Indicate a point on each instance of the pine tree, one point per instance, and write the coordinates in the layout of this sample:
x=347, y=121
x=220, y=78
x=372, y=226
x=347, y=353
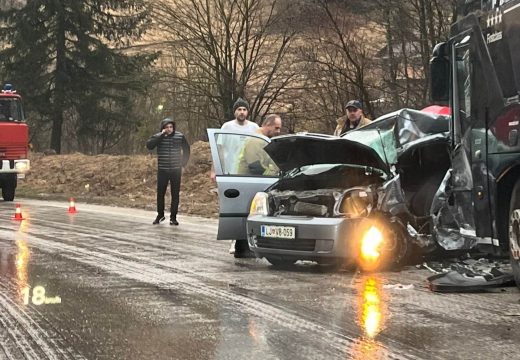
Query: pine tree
x=66, y=56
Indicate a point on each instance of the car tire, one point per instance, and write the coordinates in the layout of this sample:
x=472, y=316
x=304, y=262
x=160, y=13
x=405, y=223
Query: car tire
x=8, y=192
x=514, y=232
x=280, y=261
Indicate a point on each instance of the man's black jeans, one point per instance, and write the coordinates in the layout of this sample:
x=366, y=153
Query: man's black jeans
x=174, y=178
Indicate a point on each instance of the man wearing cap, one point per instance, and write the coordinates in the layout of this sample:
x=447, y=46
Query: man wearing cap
x=173, y=153
x=353, y=120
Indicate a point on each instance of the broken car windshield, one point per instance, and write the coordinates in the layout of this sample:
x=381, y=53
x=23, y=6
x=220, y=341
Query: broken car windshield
x=391, y=133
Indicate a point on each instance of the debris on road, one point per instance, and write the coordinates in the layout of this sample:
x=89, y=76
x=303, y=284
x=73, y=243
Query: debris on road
x=469, y=275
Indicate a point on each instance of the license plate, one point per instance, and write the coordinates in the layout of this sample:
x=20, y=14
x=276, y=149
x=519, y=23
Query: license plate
x=280, y=232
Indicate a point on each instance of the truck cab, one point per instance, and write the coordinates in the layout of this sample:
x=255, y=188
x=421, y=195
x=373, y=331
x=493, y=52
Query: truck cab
x=477, y=73
x=14, y=139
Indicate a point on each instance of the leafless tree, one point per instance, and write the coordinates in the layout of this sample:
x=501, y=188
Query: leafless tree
x=338, y=49
x=412, y=28
x=224, y=49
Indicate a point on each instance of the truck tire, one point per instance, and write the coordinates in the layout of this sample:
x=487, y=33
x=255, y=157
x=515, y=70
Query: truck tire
x=514, y=232
x=8, y=192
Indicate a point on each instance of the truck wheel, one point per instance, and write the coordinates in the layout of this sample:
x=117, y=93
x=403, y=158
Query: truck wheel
x=280, y=260
x=8, y=192
x=514, y=232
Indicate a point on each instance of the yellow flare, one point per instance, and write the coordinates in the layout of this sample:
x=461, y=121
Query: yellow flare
x=371, y=308
x=370, y=244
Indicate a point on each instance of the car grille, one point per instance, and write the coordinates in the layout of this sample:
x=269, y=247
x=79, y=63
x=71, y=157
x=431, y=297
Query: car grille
x=282, y=244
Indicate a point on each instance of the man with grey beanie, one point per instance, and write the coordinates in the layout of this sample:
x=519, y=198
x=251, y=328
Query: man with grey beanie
x=173, y=153
x=231, y=151
x=239, y=124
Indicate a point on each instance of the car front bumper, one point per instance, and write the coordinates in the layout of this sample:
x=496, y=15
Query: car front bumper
x=315, y=237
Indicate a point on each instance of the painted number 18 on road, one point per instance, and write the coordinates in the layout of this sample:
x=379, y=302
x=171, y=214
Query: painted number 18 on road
x=38, y=296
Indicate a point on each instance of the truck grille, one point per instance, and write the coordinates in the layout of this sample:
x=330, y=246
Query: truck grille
x=13, y=152
x=297, y=245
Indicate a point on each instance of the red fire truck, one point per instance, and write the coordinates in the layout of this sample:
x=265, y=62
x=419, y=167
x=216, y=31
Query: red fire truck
x=14, y=139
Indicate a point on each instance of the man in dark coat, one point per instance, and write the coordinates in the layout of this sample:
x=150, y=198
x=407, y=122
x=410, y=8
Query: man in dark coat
x=173, y=153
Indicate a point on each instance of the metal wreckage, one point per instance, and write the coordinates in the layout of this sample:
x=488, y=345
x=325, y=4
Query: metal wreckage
x=407, y=181
x=460, y=189
x=380, y=194
x=380, y=180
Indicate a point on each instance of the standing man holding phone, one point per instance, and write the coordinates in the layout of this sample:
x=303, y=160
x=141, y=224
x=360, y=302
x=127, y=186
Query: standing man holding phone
x=173, y=153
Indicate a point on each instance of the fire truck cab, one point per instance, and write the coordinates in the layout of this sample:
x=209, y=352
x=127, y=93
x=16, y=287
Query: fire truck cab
x=14, y=139
x=477, y=73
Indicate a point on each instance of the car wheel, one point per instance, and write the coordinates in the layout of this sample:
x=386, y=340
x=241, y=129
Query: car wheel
x=280, y=260
x=514, y=232
x=8, y=192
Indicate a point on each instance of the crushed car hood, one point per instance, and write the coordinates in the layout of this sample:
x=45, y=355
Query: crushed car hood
x=294, y=151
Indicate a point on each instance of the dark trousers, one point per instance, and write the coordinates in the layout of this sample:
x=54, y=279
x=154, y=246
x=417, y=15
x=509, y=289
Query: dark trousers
x=163, y=178
x=241, y=246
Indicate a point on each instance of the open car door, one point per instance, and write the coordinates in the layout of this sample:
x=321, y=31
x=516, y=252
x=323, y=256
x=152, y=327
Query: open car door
x=236, y=184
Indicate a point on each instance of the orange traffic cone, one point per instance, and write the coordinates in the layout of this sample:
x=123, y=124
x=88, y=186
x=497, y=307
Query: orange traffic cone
x=72, y=206
x=18, y=213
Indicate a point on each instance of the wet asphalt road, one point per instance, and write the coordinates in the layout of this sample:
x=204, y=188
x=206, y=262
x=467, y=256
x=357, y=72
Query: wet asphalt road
x=106, y=284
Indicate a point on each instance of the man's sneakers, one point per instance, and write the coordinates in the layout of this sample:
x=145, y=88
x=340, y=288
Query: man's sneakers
x=159, y=219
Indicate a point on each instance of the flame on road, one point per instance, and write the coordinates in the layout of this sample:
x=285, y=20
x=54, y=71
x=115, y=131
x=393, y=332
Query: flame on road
x=371, y=307
x=371, y=319
x=22, y=256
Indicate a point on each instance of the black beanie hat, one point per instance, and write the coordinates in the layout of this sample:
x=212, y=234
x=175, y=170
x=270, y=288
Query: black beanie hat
x=240, y=103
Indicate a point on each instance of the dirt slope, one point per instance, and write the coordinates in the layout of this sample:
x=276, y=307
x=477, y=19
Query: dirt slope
x=128, y=181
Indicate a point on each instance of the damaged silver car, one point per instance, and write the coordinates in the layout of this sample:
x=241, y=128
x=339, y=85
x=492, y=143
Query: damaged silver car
x=362, y=199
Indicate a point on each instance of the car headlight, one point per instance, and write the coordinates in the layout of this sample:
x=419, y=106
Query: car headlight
x=259, y=204
x=21, y=165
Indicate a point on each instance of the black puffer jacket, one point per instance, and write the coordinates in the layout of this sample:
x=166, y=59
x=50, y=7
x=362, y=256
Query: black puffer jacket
x=173, y=151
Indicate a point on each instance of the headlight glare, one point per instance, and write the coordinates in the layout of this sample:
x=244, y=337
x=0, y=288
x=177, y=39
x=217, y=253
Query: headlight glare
x=370, y=252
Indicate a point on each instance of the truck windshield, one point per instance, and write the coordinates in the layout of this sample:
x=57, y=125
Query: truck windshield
x=11, y=109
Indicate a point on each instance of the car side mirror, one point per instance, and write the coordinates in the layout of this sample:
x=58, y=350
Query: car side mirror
x=440, y=74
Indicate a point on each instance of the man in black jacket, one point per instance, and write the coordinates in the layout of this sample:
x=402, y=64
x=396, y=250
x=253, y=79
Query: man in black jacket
x=173, y=153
